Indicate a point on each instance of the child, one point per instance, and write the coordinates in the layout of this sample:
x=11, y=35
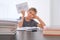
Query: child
x=28, y=20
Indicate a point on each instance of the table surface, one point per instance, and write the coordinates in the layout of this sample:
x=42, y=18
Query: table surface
x=24, y=35
x=27, y=35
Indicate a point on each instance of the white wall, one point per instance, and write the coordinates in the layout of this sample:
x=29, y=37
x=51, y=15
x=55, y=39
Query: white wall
x=55, y=12
x=8, y=9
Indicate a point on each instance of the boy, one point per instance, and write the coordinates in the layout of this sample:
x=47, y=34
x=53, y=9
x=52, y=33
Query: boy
x=28, y=20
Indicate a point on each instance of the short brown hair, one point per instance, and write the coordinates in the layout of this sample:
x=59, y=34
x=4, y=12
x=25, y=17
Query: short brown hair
x=34, y=9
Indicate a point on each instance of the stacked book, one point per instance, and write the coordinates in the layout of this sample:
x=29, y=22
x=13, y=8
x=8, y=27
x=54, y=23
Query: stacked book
x=8, y=26
x=52, y=31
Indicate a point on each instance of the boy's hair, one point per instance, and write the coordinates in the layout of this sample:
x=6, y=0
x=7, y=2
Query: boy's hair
x=34, y=9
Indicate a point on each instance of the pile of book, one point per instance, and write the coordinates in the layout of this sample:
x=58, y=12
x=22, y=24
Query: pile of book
x=8, y=26
x=52, y=31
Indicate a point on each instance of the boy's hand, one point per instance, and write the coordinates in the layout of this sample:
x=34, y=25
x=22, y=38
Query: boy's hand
x=36, y=17
x=23, y=12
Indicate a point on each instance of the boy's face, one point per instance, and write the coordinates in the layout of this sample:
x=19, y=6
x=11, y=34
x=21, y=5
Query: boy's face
x=31, y=14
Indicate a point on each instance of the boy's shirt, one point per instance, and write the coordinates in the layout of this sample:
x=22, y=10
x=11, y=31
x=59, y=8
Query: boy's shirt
x=31, y=23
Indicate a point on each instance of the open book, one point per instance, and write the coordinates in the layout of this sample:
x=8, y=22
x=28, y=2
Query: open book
x=28, y=28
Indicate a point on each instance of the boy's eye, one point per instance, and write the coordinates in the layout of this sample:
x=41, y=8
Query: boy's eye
x=30, y=12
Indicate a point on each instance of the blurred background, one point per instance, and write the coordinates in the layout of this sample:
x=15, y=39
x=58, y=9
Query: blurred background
x=48, y=10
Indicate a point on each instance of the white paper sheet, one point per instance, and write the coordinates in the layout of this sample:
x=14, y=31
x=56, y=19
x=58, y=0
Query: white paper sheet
x=22, y=6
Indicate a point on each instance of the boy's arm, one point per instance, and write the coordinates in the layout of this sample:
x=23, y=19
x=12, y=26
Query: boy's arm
x=41, y=24
x=20, y=24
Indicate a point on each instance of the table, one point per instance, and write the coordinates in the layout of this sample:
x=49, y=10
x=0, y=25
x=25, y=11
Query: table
x=24, y=35
x=7, y=33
